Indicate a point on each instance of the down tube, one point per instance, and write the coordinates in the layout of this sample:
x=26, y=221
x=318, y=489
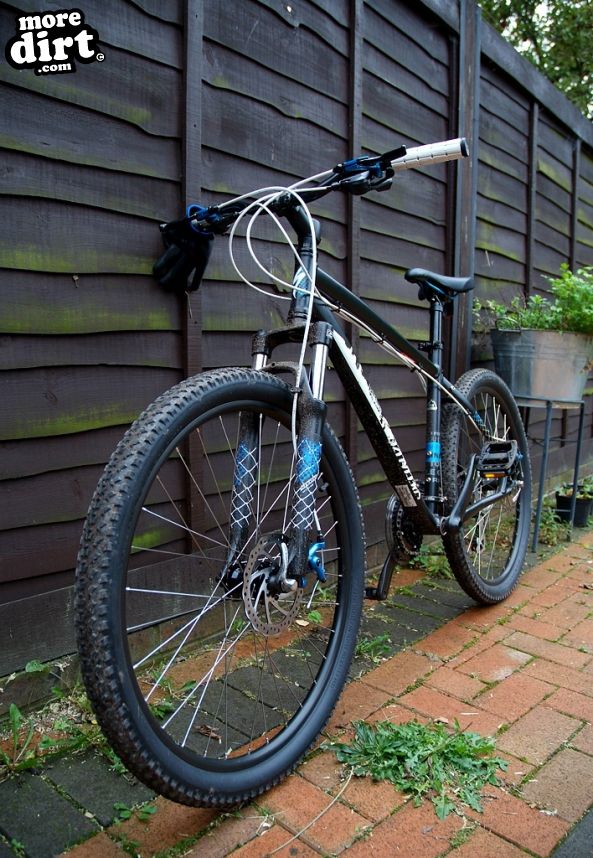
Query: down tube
x=380, y=435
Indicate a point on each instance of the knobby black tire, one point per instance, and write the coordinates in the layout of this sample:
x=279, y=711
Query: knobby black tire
x=136, y=730
x=488, y=553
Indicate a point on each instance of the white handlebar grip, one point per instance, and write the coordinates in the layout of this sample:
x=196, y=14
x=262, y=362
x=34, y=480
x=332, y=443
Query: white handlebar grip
x=433, y=153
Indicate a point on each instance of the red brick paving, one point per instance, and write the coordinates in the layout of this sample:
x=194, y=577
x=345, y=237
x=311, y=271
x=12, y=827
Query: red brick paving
x=401, y=671
x=564, y=655
x=296, y=802
x=581, y=635
x=515, y=696
x=520, y=664
x=565, y=677
x=447, y=641
x=538, y=734
x=583, y=741
x=514, y=820
x=358, y=701
x=572, y=703
x=536, y=627
x=436, y=705
x=373, y=800
x=495, y=663
x=487, y=845
x=272, y=840
x=412, y=831
x=456, y=683
x=564, y=785
x=101, y=846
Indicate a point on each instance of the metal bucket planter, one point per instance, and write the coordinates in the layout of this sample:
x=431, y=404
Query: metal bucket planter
x=543, y=364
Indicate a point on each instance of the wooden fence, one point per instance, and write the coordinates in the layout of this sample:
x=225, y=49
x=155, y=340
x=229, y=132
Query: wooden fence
x=200, y=100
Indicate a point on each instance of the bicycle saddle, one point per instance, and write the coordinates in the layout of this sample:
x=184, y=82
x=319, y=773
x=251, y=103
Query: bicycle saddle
x=438, y=284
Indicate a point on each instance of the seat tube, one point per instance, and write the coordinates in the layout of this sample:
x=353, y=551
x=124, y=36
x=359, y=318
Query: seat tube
x=432, y=471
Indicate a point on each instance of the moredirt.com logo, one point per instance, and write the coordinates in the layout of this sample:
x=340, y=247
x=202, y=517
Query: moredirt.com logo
x=52, y=42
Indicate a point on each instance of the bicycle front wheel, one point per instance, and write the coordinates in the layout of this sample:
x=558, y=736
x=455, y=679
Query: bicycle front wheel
x=487, y=554
x=209, y=682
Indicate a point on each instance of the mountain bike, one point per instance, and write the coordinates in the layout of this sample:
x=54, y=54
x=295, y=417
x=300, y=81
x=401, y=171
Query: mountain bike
x=221, y=573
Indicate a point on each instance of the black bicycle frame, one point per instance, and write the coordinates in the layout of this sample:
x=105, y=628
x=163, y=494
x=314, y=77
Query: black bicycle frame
x=420, y=506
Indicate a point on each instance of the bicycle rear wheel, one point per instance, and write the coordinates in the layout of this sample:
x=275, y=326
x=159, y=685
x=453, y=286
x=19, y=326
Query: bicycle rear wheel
x=487, y=554
x=208, y=683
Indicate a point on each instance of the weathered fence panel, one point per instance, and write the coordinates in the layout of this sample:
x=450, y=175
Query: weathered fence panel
x=206, y=99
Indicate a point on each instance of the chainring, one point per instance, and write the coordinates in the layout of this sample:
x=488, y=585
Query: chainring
x=403, y=538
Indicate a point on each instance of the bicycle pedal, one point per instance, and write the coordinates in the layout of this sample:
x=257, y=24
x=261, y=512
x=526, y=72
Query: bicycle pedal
x=497, y=458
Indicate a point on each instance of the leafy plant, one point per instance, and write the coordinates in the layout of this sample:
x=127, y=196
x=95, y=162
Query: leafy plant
x=573, y=293
x=123, y=811
x=425, y=761
x=21, y=735
x=552, y=531
x=570, y=310
x=36, y=666
x=374, y=648
x=144, y=813
x=432, y=560
x=584, y=489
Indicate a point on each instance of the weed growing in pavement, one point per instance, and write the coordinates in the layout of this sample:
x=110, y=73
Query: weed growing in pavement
x=462, y=836
x=425, y=761
x=431, y=559
x=21, y=735
x=552, y=531
x=144, y=812
x=375, y=649
x=66, y=724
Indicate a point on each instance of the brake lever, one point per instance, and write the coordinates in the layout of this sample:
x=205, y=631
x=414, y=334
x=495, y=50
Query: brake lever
x=362, y=183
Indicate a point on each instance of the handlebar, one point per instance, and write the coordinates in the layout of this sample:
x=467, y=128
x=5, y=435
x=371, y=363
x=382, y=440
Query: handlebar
x=188, y=240
x=356, y=176
x=433, y=153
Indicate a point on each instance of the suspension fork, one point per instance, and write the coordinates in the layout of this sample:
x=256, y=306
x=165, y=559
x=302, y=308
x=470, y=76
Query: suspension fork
x=311, y=411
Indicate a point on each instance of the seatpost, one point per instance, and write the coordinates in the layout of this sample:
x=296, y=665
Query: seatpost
x=432, y=472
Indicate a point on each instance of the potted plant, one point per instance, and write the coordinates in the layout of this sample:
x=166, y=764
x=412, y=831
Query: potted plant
x=583, y=504
x=543, y=348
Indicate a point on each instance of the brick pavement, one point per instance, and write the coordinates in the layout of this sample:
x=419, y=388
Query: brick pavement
x=522, y=671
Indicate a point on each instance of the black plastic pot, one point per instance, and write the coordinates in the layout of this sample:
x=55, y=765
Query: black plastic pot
x=582, y=509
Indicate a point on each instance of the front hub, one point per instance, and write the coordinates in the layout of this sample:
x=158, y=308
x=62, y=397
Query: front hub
x=271, y=600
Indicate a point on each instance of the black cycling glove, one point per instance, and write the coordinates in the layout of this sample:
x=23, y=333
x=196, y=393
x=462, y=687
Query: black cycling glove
x=181, y=267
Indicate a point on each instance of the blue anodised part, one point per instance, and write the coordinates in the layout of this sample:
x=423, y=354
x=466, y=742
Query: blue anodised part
x=309, y=454
x=354, y=166
x=477, y=419
x=433, y=451
x=243, y=453
x=198, y=212
x=315, y=562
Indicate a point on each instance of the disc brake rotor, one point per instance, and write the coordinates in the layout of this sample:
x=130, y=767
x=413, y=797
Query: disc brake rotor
x=269, y=612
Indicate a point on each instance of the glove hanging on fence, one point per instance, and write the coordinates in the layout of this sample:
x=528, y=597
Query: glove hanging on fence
x=181, y=267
